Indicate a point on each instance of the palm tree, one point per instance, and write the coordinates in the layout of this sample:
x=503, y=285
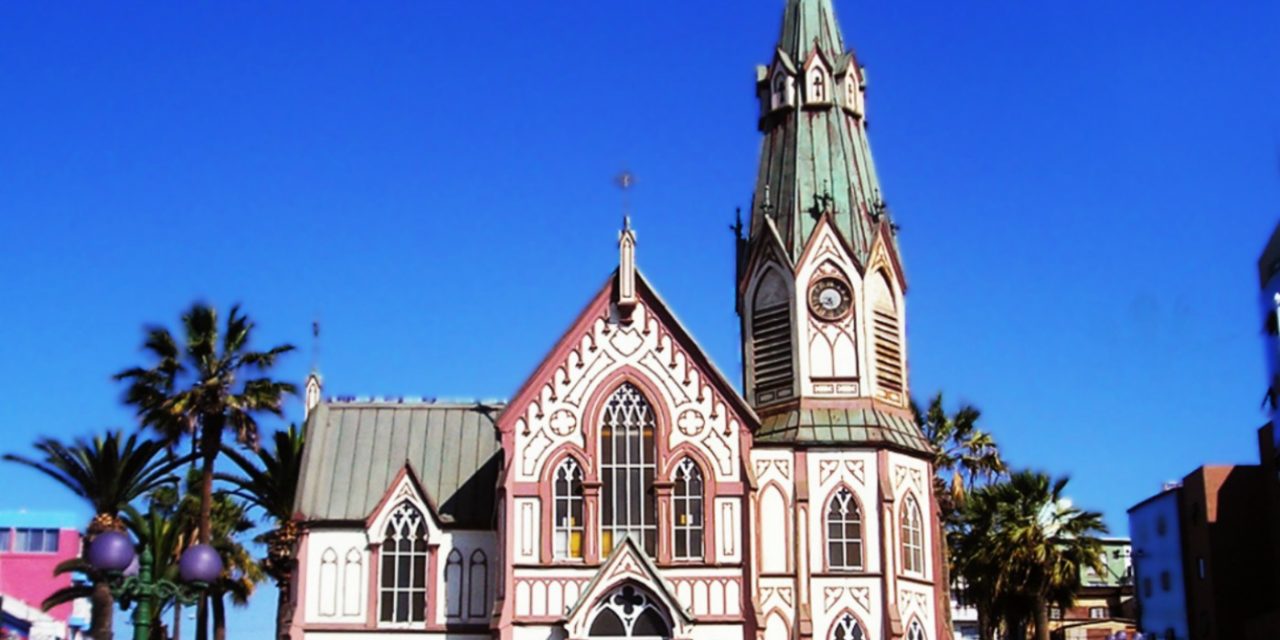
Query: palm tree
x=203, y=389
x=963, y=456
x=1023, y=546
x=108, y=472
x=271, y=484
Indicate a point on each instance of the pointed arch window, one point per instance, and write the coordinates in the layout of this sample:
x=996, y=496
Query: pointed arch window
x=567, y=495
x=627, y=468
x=912, y=536
x=778, y=99
x=844, y=532
x=403, y=586
x=687, y=501
x=847, y=628
x=817, y=85
x=915, y=631
x=631, y=613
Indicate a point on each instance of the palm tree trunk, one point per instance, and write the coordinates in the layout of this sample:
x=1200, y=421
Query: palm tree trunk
x=284, y=605
x=101, y=615
x=1042, y=618
x=177, y=620
x=210, y=438
x=219, y=616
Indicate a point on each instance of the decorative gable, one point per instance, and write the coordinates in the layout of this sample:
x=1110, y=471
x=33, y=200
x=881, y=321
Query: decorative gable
x=556, y=409
x=628, y=576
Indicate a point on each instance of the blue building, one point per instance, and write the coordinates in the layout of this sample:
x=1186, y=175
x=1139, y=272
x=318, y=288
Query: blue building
x=1160, y=584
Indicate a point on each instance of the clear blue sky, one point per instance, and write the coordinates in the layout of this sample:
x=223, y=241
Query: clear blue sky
x=1083, y=189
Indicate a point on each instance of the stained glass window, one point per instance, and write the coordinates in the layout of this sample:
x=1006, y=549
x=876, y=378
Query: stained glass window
x=627, y=470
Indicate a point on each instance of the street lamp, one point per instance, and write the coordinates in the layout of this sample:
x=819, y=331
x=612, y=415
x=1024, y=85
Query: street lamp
x=113, y=553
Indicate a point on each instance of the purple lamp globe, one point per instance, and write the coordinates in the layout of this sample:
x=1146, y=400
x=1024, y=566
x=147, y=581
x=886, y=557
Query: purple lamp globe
x=200, y=563
x=111, y=551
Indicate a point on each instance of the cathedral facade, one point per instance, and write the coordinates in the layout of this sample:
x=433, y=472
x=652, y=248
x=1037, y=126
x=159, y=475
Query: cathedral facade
x=628, y=489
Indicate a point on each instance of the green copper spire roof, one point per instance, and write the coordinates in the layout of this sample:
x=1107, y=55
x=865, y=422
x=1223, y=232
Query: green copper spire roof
x=806, y=23
x=815, y=158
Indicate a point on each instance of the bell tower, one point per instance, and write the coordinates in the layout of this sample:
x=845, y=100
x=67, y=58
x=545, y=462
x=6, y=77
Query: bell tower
x=820, y=283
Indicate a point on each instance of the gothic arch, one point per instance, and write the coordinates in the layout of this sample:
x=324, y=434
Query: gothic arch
x=915, y=630
x=637, y=393
x=478, y=580
x=776, y=625
x=328, y=582
x=765, y=549
x=910, y=505
x=842, y=618
x=863, y=526
x=630, y=610
x=455, y=587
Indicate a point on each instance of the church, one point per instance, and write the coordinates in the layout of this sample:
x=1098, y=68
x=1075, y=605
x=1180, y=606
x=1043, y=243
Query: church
x=628, y=489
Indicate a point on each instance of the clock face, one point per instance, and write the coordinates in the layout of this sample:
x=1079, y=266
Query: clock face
x=829, y=298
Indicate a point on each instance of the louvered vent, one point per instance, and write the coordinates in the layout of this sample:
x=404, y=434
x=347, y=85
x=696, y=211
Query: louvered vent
x=888, y=350
x=771, y=349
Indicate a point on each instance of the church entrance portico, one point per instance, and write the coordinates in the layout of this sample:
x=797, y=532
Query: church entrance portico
x=629, y=611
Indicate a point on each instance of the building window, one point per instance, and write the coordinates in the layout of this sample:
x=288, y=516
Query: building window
x=847, y=628
x=1055, y=613
x=1161, y=527
x=687, y=499
x=844, y=532
x=567, y=494
x=912, y=536
x=1146, y=587
x=1098, y=613
x=915, y=631
x=627, y=456
x=404, y=566
x=1200, y=567
x=36, y=541
x=6, y=539
x=1165, y=581
x=817, y=85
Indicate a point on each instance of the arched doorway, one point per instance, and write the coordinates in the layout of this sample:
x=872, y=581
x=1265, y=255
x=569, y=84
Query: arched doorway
x=629, y=611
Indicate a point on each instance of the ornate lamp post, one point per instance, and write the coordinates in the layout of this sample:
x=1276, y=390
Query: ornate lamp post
x=113, y=553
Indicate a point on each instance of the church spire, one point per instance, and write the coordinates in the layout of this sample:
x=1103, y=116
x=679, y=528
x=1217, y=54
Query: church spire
x=815, y=159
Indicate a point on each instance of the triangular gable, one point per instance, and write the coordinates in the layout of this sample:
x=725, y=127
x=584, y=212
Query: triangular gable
x=885, y=250
x=405, y=487
x=626, y=564
x=579, y=338
x=826, y=231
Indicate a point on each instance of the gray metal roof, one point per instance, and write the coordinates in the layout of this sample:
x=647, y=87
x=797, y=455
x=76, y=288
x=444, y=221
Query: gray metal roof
x=355, y=450
x=843, y=427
